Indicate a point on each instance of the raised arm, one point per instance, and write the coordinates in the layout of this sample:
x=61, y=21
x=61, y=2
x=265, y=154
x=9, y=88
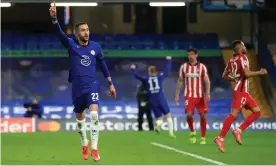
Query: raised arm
x=168, y=66
x=135, y=74
x=62, y=36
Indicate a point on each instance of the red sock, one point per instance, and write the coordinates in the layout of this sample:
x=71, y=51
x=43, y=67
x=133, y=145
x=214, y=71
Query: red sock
x=190, y=121
x=226, y=125
x=249, y=120
x=203, y=125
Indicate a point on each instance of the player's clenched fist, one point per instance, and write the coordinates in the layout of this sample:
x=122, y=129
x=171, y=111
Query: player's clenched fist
x=133, y=66
x=53, y=11
x=263, y=71
x=208, y=98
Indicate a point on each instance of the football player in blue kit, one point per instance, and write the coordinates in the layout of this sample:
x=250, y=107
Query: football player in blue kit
x=83, y=55
x=158, y=102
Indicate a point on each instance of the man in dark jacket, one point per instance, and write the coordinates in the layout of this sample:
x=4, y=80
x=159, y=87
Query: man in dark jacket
x=144, y=107
x=33, y=109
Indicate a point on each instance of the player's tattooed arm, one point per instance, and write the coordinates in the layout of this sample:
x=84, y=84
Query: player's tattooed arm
x=179, y=85
x=208, y=87
x=178, y=89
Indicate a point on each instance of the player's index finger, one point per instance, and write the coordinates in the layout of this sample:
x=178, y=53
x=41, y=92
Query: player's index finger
x=54, y=3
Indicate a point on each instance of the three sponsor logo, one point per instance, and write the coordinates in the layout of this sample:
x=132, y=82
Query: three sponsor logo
x=26, y=125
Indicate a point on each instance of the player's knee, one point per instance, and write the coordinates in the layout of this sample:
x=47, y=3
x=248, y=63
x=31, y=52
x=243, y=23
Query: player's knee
x=160, y=118
x=80, y=116
x=168, y=115
x=235, y=112
x=80, y=124
x=93, y=107
x=189, y=114
x=202, y=116
x=94, y=115
x=256, y=109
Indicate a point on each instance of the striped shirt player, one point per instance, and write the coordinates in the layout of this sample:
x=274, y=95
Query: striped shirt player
x=193, y=74
x=193, y=77
x=241, y=96
x=237, y=70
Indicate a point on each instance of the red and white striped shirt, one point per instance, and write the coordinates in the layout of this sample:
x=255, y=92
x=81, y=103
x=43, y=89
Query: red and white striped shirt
x=235, y=66
x=193, y=76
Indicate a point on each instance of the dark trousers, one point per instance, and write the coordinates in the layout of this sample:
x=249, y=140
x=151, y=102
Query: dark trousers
x=144, y=110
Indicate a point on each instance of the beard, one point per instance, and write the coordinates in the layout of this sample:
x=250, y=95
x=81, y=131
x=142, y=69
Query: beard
x=82, y=38
x=191, y=60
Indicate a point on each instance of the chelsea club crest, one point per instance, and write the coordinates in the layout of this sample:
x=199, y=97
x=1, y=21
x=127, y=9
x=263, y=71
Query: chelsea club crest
x=85, y=61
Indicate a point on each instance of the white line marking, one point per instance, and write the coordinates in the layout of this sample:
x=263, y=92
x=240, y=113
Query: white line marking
x=188, y=154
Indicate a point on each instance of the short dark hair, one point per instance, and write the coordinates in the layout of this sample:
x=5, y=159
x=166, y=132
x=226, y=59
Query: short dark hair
x=235, y=43
x=192, y=50
x=79, y=24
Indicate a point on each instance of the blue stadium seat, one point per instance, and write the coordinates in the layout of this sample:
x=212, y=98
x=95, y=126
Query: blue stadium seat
x=111, y=41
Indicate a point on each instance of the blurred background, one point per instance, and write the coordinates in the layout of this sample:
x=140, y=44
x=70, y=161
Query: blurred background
x=35, y=64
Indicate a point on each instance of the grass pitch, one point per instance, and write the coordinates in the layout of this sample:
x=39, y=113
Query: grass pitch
x=135, y=148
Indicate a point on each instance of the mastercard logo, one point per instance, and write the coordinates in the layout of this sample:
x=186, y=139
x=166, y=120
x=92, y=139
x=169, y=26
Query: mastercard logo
x=48, y=126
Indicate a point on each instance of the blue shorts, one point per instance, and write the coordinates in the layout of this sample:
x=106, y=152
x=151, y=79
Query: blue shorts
x=85, y=100
x=160, y=109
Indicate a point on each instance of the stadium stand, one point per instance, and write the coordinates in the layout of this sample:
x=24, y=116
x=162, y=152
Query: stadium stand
x=125, y=42
x=46, y=78
x=53, y=84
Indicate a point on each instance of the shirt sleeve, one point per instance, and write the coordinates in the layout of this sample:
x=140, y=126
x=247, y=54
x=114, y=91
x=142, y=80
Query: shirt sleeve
x=100, y=54
x=65, y=40
x=244, y=62
x=103, y=66
x=168, y=68
x=137, y=76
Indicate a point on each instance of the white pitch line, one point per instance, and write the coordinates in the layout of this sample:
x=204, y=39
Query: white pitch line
x=187, y=153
